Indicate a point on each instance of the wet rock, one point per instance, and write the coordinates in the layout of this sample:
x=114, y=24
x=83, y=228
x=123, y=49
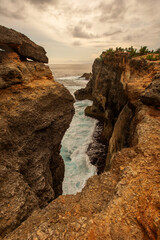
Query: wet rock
x=87, y=76
x=97, y=149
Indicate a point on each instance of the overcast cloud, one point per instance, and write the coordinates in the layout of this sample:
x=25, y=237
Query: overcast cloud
x=77, y=31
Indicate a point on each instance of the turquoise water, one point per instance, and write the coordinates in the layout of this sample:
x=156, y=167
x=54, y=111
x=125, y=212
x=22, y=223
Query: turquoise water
x=75, y=142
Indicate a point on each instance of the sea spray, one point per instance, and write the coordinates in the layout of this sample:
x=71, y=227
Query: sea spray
x=76, y=141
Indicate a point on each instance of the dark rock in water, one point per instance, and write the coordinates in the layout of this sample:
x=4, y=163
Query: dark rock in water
x=97, y=150
x=87, y=76
x=84, y=93
x=22, y=45
x=151, y=95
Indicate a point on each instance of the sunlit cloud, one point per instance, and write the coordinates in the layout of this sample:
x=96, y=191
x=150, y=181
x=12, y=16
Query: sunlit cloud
x=75, y=30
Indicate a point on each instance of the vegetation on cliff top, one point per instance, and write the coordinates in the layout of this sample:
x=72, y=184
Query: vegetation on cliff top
x=133, y=52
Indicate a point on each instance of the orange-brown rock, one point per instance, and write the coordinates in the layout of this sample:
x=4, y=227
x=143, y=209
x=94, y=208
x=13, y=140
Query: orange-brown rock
x=123, y=202
x=35, y=112
x=22, y=45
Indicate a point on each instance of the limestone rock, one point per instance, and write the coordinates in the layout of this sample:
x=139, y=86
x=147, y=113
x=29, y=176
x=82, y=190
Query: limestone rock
x=84, y=93
x=22, y=45
x=87, y=76
x=35, y=112
x=151, y=95
x=122, y=203
x=33, y=121
x=14, y=71
x=120, y=135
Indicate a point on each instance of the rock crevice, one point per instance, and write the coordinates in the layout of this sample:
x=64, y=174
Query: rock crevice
x=121, y=203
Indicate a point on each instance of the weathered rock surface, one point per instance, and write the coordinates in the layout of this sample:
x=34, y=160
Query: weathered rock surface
x=124, y=202
x=87, y=76
x=35, y=112
x=22, y=45
x=151, y=96
x=84, y=93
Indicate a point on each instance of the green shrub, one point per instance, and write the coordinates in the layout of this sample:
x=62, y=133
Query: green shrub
x=119, y=49
x=143, y=50
x=158, y=50
x=151, y=57
x=133, y=52
x=110, y=51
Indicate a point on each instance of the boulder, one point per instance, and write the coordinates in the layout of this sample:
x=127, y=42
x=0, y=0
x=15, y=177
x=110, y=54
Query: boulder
x=22, y=45
x=151, y=95
x=87, y=76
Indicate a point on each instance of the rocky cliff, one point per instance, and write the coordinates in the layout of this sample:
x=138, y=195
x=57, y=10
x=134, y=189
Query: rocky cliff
x=124, y=201
x=35, y=112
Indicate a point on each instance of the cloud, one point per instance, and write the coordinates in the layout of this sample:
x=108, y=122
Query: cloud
x=79, y=33
x=40, y=3
x=107, y=34
x=76, y=43
x=18, y=14
x=112, y=11
x=91, y=25
x=86, y=24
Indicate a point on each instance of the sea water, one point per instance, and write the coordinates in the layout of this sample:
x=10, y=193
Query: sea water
x=76, y=140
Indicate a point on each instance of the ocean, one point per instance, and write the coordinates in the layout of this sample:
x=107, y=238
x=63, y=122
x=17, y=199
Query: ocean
x=66, y=70
x=79, y=135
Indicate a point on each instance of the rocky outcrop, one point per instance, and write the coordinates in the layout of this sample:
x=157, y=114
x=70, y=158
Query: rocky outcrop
x=35, y=112
x=151, y=95
x=117, y=83
x=21, y=44
x=123, y=202
x=84, y=93
x=86, y=76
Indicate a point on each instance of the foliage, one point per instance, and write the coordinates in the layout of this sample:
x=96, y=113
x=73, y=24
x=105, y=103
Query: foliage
x=158, y=50
x=143, y=50
x=110, y=51
x=152, y=57
x=133, y=52
x=119, y=49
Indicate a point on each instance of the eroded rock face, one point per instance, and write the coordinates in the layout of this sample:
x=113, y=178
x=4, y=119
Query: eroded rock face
x=35, y=112
x=151, y=96
x=22, y=45
x=122, y=203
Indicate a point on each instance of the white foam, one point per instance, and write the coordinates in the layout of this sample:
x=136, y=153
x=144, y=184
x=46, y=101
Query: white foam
x=75, y=142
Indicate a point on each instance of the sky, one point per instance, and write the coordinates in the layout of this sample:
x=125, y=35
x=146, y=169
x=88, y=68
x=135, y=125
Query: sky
x=77, y=31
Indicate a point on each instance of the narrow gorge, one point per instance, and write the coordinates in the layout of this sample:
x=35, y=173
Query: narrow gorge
x=123, y=202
